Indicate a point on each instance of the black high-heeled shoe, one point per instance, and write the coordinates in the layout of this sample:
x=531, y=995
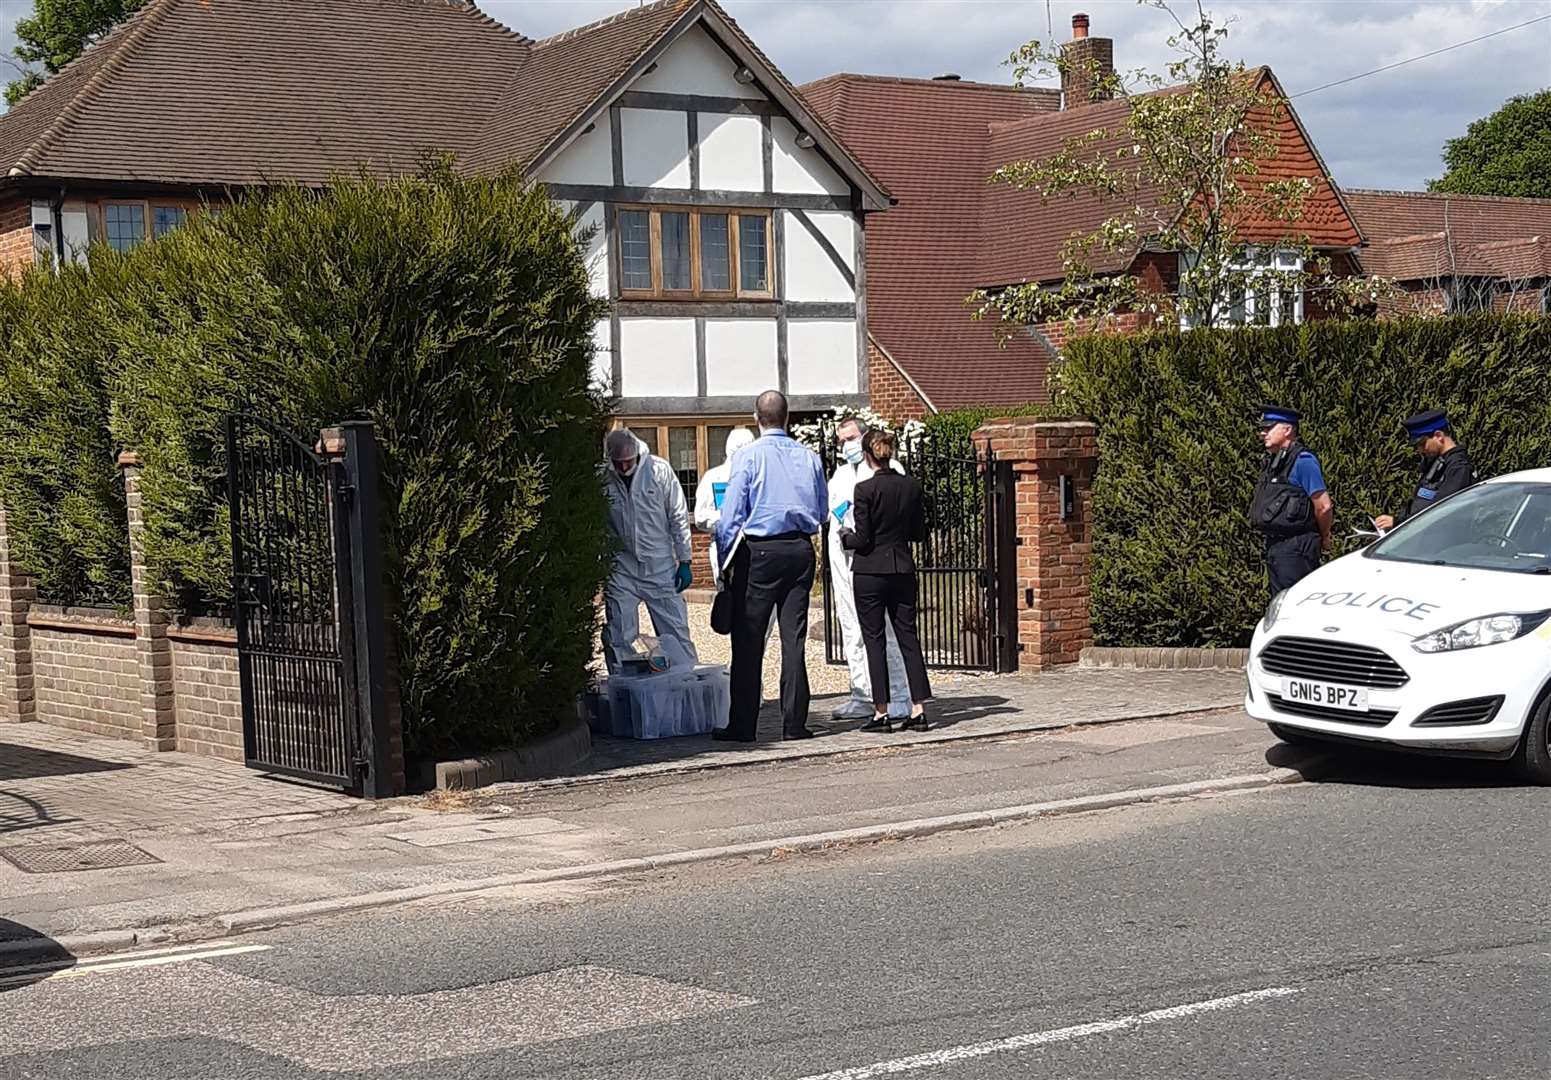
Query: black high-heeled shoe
x=878, y=723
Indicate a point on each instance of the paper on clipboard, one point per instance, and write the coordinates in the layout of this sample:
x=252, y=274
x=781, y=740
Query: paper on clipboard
x=719, y=569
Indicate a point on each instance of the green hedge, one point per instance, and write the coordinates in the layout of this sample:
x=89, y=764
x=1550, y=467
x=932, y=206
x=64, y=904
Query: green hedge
x=1175, y=561
x=955, y=427
x=455, y=314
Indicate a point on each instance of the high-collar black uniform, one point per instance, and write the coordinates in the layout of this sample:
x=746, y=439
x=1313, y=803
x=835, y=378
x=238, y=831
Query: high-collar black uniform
x=1447, y=474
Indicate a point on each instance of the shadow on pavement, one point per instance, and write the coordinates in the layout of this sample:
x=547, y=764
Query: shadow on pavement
x=19, y=762
x=19, y=812
x=1342, y=763
x=36, y=956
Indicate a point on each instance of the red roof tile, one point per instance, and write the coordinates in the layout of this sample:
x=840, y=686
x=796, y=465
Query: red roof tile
x=1491, y=236
x=926, y=141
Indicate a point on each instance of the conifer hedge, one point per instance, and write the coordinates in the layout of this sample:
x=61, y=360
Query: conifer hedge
x=452, y=312
x=1175, y=561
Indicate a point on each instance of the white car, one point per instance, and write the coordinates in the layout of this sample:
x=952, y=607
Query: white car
x=1436, y=638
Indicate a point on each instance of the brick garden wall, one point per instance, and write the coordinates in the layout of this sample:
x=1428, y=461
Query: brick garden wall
x=207, y=697
x=86, y=674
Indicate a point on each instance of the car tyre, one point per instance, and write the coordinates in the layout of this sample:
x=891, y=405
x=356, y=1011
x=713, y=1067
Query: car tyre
x=1292, y=736
x=1532, y=760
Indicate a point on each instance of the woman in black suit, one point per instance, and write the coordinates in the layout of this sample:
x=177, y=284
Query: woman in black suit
x=889, y=517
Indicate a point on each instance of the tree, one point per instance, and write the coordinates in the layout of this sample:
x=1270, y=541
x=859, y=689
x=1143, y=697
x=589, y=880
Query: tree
x=1507, y=153
x=1184, y=169
x=57, y=32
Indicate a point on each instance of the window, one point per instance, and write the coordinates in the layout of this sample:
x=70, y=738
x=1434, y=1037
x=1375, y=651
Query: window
x=667, y=253
x=125, y=224
x=684, y=456
x=166, y=218
x=1263, y=297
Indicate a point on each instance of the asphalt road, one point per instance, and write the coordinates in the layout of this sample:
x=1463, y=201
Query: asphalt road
x=1389, y=921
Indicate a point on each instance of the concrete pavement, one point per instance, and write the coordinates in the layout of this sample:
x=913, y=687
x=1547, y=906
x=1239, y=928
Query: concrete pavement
x=205, y=877
x=1380, y=923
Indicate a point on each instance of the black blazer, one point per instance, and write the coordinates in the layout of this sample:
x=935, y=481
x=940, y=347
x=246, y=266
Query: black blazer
x=888, y=517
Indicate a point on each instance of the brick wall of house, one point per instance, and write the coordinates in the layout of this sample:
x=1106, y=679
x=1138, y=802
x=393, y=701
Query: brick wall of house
x=207, y=692
x=86, y=672
x=891, y=393
x=16, y=253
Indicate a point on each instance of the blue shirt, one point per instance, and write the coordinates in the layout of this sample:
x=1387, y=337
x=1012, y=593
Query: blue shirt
x=777, y=486
x=1307, y=475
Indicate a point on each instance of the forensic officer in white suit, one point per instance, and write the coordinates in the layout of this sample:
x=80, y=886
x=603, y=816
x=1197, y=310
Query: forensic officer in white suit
x=707, y=502
x=852, y=470
x=649, y=518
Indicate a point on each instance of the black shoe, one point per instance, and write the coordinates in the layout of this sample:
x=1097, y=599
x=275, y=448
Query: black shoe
x=726, y=735
x=800, y=733
x=916, y=723
x=878, y=723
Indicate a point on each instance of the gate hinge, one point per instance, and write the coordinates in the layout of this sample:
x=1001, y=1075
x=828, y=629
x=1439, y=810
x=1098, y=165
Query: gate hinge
x=345, y=493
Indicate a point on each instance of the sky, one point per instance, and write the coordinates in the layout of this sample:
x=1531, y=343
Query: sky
x=1384, y=131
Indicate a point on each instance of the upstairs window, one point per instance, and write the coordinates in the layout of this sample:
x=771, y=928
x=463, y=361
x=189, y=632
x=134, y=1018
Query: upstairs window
x=124, y=224
x=166, y=218
x=667, y=253
x=1262, y=296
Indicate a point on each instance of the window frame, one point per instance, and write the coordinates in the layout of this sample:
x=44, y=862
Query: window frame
x=145, y=220
x=696, y=290
x=1271, y=261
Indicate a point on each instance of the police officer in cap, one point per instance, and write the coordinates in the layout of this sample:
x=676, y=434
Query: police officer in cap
x=1446, y=468
x=1291, y=506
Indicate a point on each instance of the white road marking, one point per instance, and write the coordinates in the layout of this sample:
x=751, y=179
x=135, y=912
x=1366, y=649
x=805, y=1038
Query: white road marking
x=175, y=954
x=1044, y=1038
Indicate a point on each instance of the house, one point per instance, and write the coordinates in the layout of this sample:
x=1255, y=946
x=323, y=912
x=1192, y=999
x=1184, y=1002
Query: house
x=726, y=219
x=1457, y=253
x=935, y=142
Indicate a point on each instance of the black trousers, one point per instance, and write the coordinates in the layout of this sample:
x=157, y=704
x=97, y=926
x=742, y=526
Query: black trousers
x=770, y=575
x=894, y=596
x=1290, y=559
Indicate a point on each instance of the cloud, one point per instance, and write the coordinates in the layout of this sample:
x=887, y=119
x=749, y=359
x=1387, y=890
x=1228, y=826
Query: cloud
x=1383, y=131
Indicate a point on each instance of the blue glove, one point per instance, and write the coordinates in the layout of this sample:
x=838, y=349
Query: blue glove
x=682, y=577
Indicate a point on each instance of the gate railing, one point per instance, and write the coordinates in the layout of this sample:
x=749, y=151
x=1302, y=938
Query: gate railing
x=308, y=604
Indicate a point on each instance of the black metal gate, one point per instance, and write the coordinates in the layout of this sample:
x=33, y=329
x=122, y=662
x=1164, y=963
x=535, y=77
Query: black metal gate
x=293, y=606
x=966, y=610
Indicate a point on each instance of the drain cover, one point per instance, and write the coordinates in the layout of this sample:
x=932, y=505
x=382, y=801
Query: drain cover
x=93, y=855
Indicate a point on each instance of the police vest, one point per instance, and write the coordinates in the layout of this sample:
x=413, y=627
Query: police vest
x=1280, y=507
x=1445, y=475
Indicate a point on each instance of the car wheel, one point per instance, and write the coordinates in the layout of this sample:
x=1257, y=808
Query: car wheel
x=1292, y=736
x=1532, y=760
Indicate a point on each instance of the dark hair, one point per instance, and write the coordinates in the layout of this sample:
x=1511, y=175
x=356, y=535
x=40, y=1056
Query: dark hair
x=880, y=444
x=771, y=410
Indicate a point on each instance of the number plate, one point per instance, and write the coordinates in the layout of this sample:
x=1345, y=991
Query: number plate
x=1325, y=695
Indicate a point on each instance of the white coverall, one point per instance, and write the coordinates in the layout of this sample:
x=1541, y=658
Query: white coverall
x=649, y=517
x=707, y=513
x=842, y=489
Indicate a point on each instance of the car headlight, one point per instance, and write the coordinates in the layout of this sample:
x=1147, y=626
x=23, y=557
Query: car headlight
x=1273, y=609
x=1473, y=633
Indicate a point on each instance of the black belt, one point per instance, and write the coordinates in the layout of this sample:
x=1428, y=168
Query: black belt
x=777, y=536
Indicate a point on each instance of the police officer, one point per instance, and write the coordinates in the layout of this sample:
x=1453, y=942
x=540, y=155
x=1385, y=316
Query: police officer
x=1446, y=468
x=1291, y=506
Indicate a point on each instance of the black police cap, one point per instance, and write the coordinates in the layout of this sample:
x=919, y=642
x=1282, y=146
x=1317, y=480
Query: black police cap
x=1423, y=424
x=1278, y=414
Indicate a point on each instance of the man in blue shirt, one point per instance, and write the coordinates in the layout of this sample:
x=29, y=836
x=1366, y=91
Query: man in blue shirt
x=775, y=502
x=1291, y=506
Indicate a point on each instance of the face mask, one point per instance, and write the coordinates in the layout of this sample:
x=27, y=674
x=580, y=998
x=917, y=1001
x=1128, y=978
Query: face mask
x=852, y=449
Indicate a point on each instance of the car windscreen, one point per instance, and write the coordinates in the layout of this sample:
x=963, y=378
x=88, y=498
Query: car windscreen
x=1503, y=526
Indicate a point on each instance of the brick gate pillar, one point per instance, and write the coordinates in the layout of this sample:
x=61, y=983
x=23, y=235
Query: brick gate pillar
x=17, y=595
x=153, y=650
x=1053, y=464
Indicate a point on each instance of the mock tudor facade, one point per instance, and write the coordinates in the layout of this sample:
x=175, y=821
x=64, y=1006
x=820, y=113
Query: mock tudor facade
x=725, y=222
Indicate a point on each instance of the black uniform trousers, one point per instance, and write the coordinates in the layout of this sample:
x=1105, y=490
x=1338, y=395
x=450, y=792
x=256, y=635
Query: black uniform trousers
x=1290, y=559
x=893, y=596
x=770, y=575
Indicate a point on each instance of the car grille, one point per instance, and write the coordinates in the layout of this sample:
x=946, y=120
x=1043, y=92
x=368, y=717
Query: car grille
x=1371, y=718
x=1333, y=661
x=1478, y=710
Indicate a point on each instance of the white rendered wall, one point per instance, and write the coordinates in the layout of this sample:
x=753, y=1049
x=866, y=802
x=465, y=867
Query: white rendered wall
x=801, y=171
x=657, y=358
x=732, y=155
x=695, y=65
x=655, y=144
x=811, y=275
x=740, y=356
x=588, y=160
x=602, y=358
x=821, y=356
x=597, y=250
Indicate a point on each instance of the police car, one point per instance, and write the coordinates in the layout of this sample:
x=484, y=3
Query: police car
x=1436, y=638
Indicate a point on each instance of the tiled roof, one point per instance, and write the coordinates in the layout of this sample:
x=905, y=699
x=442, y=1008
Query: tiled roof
x=188, y=91
x=926, y=141
x=1414, y=235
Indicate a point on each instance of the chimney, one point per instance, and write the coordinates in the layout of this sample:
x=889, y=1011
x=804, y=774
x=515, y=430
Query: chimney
x=1084, y=56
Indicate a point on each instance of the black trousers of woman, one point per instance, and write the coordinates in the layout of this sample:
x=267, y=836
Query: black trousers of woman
x=892, y=596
